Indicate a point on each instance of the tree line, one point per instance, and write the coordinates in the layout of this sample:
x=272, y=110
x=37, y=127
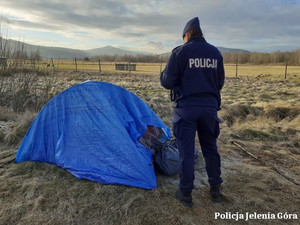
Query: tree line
x=255, y=58
x=130, y=58
x=259, y=58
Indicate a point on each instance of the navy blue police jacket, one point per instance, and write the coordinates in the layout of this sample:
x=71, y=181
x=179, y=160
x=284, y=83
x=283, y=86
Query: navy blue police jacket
x=195, y=72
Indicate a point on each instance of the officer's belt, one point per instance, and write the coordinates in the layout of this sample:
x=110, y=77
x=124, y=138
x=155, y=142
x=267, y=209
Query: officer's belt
x=180, y=102
x=202, y=95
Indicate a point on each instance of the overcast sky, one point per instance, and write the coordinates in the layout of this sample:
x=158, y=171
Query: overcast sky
x=154, y=26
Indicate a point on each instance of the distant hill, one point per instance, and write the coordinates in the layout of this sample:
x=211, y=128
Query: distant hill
x=222, y=49
x=49, y=52
x=109, y=50
x=68, y=53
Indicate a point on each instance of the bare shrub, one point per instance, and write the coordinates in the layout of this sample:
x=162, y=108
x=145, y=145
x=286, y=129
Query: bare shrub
x=5, y=73
x=2, y=135
x=20, y=128
x=42, y=72
x=18, y=98
x=23, y=92
x=6, y=114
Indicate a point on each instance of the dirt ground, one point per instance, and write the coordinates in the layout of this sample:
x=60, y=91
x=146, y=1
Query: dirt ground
x=259, y=145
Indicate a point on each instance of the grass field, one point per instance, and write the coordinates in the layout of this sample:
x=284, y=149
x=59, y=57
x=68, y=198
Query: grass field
x=259, y=146
x=70, y=65
x=268, y=72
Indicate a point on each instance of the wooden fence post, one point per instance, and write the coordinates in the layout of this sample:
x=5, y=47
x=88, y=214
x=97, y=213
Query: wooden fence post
x=236, y=68
x=75, y=64
x=286, y=65
x=99, y=66
x=129, y=66
x=52, y=64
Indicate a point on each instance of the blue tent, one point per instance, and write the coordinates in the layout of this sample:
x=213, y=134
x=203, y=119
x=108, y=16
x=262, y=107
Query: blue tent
x=92, y=131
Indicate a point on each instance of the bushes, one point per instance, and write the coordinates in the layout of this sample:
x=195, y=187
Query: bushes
x=20, y=128
x=7, y=114
x=23, y=92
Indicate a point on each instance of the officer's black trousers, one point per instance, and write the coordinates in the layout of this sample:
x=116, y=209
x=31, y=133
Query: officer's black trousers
x=186, y=121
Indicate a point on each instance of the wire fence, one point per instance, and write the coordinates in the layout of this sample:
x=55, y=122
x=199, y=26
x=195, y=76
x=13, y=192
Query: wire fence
x=278, y=72
x=97, y=66
x=269, y=72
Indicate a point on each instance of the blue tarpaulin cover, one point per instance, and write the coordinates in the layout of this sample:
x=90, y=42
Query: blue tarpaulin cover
x=92, y=131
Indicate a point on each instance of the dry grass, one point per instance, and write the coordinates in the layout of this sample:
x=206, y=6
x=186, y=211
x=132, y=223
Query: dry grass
x=18, y=130
x=7, y=114
x=261, y=115
x=264, y=72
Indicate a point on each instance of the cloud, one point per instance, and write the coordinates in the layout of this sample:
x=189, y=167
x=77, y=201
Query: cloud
x=231, y=23
x=4, y=20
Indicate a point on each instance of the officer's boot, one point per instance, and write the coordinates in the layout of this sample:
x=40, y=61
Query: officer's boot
x=215, y=193
x=185, y=198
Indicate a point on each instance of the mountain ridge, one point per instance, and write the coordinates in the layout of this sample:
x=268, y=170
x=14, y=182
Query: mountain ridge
x=69, y=53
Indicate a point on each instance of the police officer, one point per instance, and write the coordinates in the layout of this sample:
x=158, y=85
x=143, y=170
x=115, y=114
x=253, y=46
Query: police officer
x=195, y=75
